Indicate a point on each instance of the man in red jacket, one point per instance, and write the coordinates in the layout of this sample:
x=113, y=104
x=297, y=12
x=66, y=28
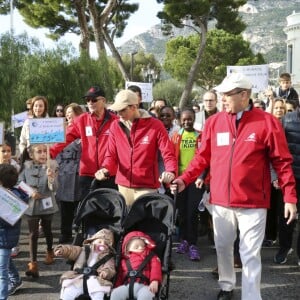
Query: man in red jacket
x=133, y=147
x=93, y=128
x=238, y=145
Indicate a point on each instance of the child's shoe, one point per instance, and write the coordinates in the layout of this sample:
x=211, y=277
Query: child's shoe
x=183, y=247
x=32, y=269
x=14, y=286
x=49, y=259
x=194, y=253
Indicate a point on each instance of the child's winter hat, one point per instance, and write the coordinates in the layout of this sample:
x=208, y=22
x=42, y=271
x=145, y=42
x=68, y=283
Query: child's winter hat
x=104, y=234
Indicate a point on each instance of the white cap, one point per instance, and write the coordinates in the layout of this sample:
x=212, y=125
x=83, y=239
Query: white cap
x=234, y=81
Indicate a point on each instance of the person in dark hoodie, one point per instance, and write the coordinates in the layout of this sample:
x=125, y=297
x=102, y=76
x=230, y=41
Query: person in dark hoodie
x=285, y=89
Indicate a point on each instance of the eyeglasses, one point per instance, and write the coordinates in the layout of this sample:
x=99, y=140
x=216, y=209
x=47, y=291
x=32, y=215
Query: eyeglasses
x=59, y=110
x=232, y=94
x=93, y=100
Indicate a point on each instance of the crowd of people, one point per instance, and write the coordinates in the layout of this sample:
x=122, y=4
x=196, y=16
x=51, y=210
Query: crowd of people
x=239, y=153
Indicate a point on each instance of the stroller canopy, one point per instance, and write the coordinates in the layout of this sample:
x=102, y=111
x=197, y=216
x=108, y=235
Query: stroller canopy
x=102, y=208
x=151, y=206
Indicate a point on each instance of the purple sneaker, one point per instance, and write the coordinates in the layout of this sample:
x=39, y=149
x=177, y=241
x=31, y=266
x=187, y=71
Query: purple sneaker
x=183, y=247
x=194, y=253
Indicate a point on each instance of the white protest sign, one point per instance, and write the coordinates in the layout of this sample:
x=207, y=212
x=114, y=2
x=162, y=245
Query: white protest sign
x=46, y=130
x=146, y=88
x=19, y=119
x=257, y=74
x=11, y=207
x=1, y=133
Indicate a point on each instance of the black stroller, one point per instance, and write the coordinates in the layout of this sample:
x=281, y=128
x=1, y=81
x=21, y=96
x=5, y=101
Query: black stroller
x=153, y=214
x=101, y=208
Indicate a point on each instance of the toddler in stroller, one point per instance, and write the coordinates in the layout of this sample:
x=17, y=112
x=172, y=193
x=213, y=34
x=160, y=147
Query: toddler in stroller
x=93, y=270
x=153, y=215
x=140, y=272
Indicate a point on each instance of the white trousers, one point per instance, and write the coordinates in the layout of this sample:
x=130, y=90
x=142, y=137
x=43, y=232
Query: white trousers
x=251, y=223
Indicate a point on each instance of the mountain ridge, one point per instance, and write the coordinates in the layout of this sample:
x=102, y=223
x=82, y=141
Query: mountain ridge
x=265, y=20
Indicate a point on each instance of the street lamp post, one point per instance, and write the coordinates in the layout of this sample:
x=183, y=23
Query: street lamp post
x=132, y=54
x=150, y=75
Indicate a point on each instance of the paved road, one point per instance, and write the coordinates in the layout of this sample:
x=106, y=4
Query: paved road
x=190, y=280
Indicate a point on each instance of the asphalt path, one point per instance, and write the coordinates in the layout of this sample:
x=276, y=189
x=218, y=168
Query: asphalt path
x=189, y=280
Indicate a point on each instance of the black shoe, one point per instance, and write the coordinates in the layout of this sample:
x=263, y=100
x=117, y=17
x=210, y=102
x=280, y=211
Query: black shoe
x=282, y=255
x=65, y=239
x=225, y=295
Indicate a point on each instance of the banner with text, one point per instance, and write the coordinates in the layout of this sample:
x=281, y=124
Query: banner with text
x=145, y=87
x=46, y=130
x=257, y=74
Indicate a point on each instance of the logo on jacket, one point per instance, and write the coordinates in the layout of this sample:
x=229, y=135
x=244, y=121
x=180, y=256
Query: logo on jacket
x=145, y=140
x=106, y=132
x=251, y=138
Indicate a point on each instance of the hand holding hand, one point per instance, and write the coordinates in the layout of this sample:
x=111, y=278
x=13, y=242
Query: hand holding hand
x=166, y=177
x=177, y=186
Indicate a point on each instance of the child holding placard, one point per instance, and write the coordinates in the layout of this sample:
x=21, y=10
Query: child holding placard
x=10, y=280
x=39, y=174
x=6, y=158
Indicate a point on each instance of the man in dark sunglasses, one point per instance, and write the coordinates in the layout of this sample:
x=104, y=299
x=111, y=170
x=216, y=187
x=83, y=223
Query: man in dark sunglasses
x=93, y=128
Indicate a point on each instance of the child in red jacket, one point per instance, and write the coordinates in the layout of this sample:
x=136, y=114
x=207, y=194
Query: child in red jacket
x=137, y=249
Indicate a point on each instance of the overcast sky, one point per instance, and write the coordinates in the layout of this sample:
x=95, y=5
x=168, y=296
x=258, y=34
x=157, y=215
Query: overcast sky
x=139, y=22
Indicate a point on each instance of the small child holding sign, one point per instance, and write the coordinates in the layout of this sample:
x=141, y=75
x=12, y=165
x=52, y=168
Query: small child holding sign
x=10, y=280
x=41, y=182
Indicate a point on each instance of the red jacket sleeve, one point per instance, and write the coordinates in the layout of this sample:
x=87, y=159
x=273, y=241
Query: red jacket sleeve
x=155, y=269
x=71, y=135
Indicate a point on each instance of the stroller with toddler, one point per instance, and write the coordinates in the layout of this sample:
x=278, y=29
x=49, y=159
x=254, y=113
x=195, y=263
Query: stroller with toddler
x=101, y=209
x=153, y=214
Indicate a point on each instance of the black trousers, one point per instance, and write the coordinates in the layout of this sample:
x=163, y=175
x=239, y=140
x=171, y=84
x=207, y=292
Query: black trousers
x=188, y=214
x=286, y=231
x=272, y=214
x=67, y=212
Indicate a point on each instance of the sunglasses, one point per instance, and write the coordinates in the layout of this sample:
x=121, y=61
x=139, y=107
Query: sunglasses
x=59, y=110
x=93, y=100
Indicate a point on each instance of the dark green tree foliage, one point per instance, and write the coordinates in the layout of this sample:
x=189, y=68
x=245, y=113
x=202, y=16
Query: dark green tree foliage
x=27, y=70
x=197, y=14
x=222, y=49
